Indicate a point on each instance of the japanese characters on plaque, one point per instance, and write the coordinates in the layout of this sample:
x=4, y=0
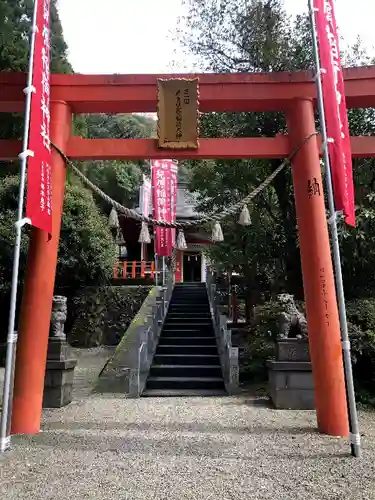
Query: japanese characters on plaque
x=178, y=113
x=39, y=175
x=185, y=98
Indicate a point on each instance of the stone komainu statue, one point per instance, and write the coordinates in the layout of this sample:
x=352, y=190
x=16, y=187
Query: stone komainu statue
x=290, y=318
x=58, y=316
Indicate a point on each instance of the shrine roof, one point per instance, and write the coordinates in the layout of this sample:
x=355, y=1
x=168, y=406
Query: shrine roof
x=187, y=202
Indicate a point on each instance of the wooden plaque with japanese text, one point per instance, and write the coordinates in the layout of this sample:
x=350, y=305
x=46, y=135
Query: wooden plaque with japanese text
x=178, y=113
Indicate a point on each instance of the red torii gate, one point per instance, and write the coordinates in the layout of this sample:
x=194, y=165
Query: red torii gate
x=292, y=93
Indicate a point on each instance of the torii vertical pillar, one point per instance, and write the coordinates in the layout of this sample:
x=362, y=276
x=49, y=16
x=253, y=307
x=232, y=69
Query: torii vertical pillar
x=35, y=314
x=318, y=277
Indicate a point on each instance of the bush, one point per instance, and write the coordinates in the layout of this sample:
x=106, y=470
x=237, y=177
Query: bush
x=361, y=324
x=101, y=315
x=260, y=342
x=261, y=336
x=87, y=251
x=9, y=187
x=361, y=312
x=86, y=255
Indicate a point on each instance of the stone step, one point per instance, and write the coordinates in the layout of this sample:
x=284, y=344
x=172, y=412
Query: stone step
x=183, y=393
x=186, y=331
x=187, y=359
x=186, y=349
x=188, y=341
x=196, y=371
x=185, y=383
x=188, y=319
x=170, y=325
x=186, y=362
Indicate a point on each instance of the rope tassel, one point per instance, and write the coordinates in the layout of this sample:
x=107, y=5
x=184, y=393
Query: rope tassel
x=174, y=260
x=133, y=214
x=181, y=241
x=113, y=221
x=217, y=233
x=144, y=235
x=244, y=219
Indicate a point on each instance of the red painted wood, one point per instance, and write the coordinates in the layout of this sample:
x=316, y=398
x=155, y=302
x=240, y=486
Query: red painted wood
x=218, y=92
x=135, y=149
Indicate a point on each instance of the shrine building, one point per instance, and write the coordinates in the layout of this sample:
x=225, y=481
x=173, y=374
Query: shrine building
x=138, y=264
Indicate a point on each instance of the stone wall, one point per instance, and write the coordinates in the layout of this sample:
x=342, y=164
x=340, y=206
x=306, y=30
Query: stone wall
x=116, y=374
x=100, y=315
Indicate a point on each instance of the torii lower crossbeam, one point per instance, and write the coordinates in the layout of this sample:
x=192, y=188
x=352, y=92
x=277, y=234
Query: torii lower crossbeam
x=226, y=149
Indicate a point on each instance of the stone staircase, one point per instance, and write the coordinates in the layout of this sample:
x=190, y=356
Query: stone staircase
x=187, y=362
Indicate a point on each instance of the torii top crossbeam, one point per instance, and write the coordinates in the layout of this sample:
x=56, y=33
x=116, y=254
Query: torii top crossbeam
x=218, y=92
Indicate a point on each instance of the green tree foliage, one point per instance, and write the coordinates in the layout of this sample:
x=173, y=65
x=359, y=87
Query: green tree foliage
x=9, y=187
x=250, y=37
x=254, y=36
x=87, y=251
x=15, y=29
x=257, y=36
x=15, y=24
x=119, y=179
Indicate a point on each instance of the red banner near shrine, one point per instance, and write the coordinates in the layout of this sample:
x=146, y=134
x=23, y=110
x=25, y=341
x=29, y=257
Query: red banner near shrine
x=39, y=177
x=174, y=183
x=161, y=201
x=179, y=267
x=335, y=109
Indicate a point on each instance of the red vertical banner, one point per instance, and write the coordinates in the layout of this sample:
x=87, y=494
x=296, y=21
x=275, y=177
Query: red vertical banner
x=39, y=178
x=174, y=184
x=161, y=200
x=335, y=109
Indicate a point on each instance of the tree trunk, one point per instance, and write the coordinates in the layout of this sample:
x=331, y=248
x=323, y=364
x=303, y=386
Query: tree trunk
x=290, y=253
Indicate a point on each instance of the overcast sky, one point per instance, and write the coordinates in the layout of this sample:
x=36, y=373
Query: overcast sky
x=108, y=36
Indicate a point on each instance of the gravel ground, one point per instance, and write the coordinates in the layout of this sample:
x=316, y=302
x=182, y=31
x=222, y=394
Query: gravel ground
x=158, y=449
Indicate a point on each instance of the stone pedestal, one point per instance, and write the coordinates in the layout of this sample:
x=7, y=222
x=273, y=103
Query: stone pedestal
x=58, y=382
x=290, y=376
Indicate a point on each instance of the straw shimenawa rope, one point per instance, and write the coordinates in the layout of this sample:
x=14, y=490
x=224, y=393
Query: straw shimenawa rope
x=211, y=218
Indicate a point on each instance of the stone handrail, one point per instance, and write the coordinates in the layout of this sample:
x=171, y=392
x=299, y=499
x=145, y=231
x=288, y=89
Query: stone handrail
x=149, y=337
x=126, y=371
x=228, y=354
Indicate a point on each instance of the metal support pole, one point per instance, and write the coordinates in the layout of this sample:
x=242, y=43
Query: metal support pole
x=12, y=335
x=164, y=271
x=156, y=269
x=355, y=439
